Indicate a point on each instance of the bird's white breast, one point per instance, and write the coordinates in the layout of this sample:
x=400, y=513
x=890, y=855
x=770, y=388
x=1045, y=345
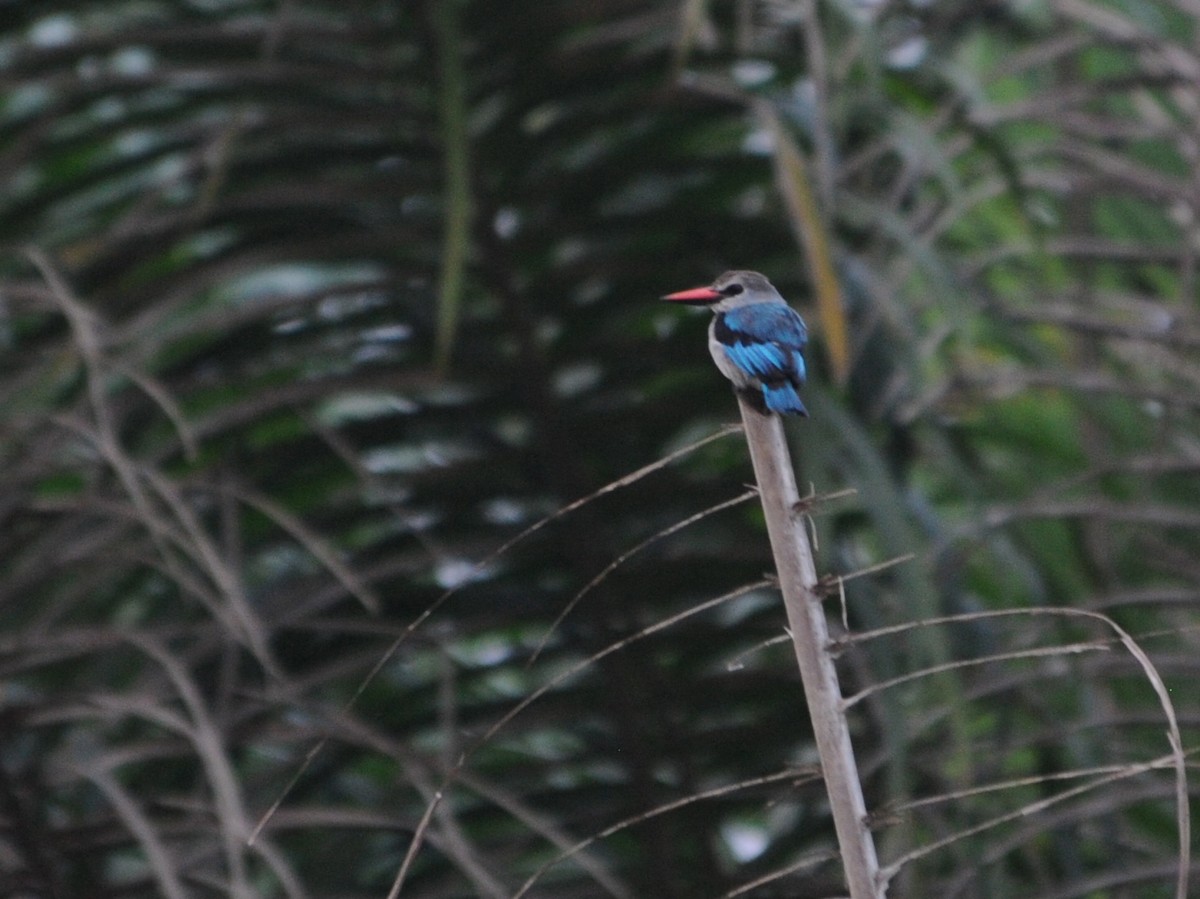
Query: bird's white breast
x=727, y=368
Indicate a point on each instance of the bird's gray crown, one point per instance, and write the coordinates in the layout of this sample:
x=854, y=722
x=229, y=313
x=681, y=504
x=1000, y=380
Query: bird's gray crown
x=750, y=281
x=755, y=288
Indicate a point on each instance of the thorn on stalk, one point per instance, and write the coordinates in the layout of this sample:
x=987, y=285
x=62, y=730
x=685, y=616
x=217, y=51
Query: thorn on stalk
x=824, y=588
x=838, y=645
x=884, y=817
x=827, y=585
x=806, y=503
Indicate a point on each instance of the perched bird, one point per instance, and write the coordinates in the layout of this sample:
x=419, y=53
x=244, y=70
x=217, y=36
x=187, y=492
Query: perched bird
x=756, y=339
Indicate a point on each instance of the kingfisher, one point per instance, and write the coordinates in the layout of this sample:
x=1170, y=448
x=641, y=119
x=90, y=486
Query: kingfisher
x=756, y=339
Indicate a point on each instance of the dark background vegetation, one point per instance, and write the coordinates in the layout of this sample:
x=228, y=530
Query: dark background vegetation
x=307, y=308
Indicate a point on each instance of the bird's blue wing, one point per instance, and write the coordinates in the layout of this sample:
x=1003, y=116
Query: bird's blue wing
x=768, y=321
x=765, y=340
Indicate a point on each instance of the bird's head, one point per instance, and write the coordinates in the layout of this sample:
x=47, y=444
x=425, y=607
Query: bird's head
x=730, y=290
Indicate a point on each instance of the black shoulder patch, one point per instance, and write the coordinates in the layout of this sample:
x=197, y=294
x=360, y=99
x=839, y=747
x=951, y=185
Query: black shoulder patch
x=726, y=334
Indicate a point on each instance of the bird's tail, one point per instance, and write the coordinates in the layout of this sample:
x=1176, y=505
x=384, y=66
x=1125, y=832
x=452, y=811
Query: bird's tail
x=783, y=398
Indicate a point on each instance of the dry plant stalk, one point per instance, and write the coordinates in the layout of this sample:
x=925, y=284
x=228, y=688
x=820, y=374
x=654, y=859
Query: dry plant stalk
x=810, y=639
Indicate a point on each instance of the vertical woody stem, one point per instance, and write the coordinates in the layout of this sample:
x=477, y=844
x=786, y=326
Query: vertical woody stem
x=810, y=636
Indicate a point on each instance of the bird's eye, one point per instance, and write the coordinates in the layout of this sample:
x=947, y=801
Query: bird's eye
x=732, y=290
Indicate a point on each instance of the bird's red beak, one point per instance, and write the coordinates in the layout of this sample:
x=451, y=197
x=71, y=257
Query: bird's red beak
x=697, y=295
